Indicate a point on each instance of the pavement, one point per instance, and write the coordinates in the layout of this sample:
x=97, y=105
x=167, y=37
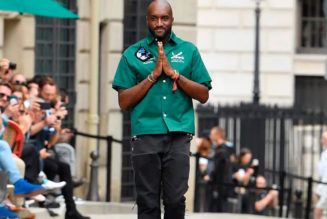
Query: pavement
x=190, y=216
x=105, y=210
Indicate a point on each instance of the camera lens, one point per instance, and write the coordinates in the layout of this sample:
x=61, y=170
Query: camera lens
x=12, y=66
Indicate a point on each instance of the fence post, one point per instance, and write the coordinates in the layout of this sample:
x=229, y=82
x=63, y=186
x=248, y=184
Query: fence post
x=298, y=209
x=93, y=193
x=196, y=188
x=282, y=191
x=109, y=147
x=289, y=199
x=309, y=195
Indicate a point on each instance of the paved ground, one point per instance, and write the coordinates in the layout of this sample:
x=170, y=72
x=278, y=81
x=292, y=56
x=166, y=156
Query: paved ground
x=190, y=216
x=102, y=210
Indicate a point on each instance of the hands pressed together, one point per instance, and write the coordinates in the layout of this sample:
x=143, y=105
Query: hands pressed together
x=163, y=65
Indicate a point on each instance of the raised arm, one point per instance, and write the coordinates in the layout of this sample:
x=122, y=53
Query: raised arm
x=128, y=98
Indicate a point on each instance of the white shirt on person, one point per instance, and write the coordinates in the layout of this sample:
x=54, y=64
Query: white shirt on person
x=322, y=165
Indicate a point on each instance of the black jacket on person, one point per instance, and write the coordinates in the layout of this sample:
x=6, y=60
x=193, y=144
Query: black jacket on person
x=222, y=171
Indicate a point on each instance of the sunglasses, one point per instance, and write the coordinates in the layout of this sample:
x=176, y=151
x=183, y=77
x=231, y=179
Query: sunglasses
x=21, y=83
x=4, y=95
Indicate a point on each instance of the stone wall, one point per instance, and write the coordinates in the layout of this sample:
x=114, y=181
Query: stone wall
x=226, y=36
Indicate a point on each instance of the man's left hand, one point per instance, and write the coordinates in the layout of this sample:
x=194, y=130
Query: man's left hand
x=167, y=69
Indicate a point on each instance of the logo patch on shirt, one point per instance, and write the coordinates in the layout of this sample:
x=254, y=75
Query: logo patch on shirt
x=177, y=57
x=143, y=55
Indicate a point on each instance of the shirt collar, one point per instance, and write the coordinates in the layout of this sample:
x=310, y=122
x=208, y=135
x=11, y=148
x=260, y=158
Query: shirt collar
x=172, y=39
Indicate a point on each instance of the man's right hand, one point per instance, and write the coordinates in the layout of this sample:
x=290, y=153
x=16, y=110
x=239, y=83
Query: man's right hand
x=51, y=120
x=158, y=69
x=273, y=193
x=44, y=154
x=5, y=72
x=11, y=110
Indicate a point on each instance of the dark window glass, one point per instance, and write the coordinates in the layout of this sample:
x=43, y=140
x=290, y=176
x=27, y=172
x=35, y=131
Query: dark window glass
x=310, y=93
x=55, y=53
x=313, y=20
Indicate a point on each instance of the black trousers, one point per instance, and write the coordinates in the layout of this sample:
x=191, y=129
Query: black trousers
x=161, y=163
x=52, y=167
x=31, y=158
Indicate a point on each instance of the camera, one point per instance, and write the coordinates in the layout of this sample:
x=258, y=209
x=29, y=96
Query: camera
x=27, y=104
x=13, y=100
x=12, y=65
x=274, y=186
x=44, y=105
x=255, y=166
x=49, y=128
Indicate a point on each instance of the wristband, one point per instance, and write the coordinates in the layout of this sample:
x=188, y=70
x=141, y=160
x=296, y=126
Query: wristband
x=175, y=78
x=150, y=78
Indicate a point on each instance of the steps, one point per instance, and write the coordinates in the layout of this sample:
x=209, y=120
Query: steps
x=96, y=210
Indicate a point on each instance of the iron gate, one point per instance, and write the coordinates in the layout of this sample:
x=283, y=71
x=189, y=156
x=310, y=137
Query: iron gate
x=285, y=140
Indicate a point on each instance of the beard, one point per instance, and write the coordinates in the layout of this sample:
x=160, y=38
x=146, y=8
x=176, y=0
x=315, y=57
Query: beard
x=162, y=37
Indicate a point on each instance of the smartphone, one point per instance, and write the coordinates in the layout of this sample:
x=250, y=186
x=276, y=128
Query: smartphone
x=44, y=105
x=12, y=65
x=27, y=104
x=13, y=100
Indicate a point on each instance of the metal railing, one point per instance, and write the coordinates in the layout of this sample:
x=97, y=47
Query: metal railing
x=287, y=205
x=93, y=186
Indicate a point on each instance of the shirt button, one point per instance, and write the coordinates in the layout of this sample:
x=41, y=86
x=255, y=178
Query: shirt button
x=164, y=81
x=164, y=97
x=165, y=115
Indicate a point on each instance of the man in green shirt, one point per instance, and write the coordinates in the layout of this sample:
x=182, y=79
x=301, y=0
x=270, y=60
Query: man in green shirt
x=156, y=79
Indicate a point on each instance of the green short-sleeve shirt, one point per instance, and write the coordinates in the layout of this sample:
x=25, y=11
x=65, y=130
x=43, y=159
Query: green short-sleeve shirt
x=161, y=110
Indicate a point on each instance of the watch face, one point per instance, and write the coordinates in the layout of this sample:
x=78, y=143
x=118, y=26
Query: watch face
x=142, y=54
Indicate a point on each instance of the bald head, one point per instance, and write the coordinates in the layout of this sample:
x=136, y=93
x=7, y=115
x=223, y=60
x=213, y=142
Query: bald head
x=162, y=5
x=160, y=19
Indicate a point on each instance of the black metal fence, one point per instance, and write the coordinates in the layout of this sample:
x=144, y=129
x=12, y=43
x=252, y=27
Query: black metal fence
x=93, y=192
x=285, y=140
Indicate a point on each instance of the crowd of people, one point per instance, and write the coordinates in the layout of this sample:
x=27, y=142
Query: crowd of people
x=227, y=175
x=32, y=111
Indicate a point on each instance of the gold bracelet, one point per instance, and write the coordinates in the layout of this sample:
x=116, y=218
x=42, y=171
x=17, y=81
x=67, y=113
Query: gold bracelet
x=149, y=79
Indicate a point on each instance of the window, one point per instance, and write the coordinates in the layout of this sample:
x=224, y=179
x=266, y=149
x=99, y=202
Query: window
x=310, y=93
x=55, y=53
x=313, y=20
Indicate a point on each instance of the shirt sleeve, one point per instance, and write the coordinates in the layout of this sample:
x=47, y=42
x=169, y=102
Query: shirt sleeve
x=200, y=73
x=124, y=77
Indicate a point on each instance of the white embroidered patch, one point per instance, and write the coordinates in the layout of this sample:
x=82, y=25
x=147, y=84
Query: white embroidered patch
x=177, y=57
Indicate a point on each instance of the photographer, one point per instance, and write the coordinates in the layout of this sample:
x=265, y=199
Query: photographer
x=265, y=200
x=244, y=173
x=219, y=171
x=6, y=69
